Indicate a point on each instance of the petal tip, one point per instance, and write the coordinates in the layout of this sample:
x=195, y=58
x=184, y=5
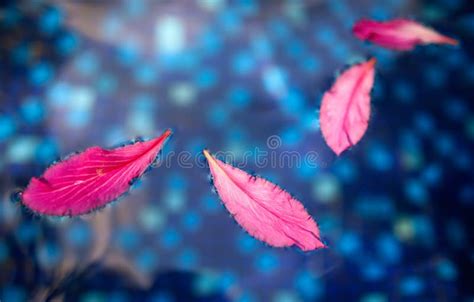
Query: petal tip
x=167, y=133
x=207, y=155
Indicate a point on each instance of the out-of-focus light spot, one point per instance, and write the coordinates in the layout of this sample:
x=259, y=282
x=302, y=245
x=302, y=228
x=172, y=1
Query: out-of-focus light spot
x=140, y=119
x=227, y=280
x=205, y=283
x=424, y=123
x=212, y=5
x=374, y=297
x=375, y=207
x=80, y=103
x=93, y=296
x=455, y=109
x=349, y=244
x=127, y=238
x=373, y=271
x=151, y=218
x=128, y=53
x=293, y=103
x=7, y=127
x=218, y=115
x=404, y=229
x=47, y=151
x=246, y=297
x=211, y=42
x=345, y=169
x=41, y=73
x=388, y=248
x=291, y=136
x=230, y=21
x=21, y=54
x=446, y=270
x=118, y=296
x=470, y=127
x=162, y=296
x=170, y=238
x=211, y=204
x=145, y=74
x=58, y=94
x=170, y=35
x=286, y=296
x=308, y=285
x=188, y=259
x=21, y=149
x=404, y=91
x=49, y=254
x=326, y=35
x=79, y=234
x=67, y=43
x=416, y=192
x=50, y=20
x=424, y=230
x=191, y=221
x=32, y=110
x=432, y=174
x=444, y=144
x=326, y=188
x=411, y=152
x=275, y=81
x=411, y=286
x=379, y=157
x=182, y=94
x=206, y=78
x=434, y=75
x=240, y=97
x=106, y=84
x=175, y=200
x=243, y=63
x=145, y=260
x=311, y=64
x=267, y=263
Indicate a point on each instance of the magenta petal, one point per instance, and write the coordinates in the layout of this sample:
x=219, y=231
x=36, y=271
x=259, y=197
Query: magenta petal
x=91, y=179
x=345, y=109
x=263, y=209
x=399, y=34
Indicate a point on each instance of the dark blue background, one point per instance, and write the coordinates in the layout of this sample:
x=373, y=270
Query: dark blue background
x=395, y=210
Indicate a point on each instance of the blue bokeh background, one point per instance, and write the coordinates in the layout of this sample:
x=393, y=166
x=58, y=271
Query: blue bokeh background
x=395, y=211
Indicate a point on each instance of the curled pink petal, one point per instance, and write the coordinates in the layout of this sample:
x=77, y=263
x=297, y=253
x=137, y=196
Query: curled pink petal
x=263, y=209
x=345, y=108
x=399, y=34
x=89, y=180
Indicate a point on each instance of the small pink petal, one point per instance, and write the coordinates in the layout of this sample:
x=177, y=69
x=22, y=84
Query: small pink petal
x=263, y=209
x=399, y=34
x=345, y=109
x=91, y=179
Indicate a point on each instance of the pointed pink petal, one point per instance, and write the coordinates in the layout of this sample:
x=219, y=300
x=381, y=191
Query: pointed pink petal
x=399, y=34
x=91, y=179
x=262, y=208
x=345, y=109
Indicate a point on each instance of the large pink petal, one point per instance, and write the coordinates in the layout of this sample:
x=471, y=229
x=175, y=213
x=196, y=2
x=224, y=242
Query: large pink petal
x=345, y=109
x=399, y=34
x=262, y=208
x=91, y=179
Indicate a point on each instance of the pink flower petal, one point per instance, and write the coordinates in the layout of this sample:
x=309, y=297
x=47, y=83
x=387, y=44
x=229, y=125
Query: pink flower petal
x=399, y=34
x=91, y=179
x=262, y=208
x=345, y=109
